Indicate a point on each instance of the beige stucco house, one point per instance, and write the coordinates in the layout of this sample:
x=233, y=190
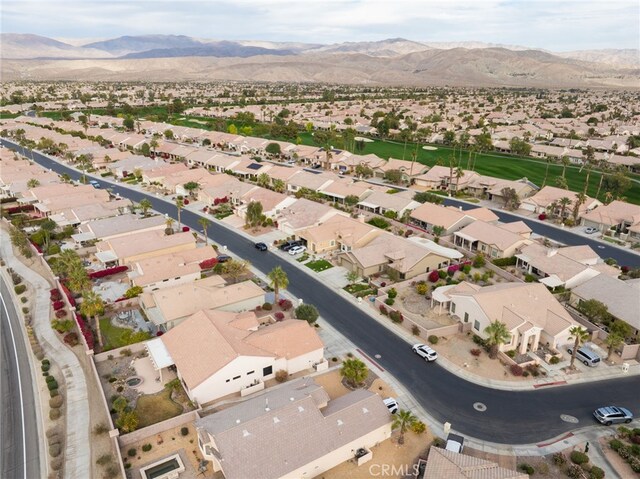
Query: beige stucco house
x=295, y=431
x=338, y=233
x=124, y=250
x=450, y=218
x=619, y=217
x=531, y=313
x=218, y=353
x=494, y=241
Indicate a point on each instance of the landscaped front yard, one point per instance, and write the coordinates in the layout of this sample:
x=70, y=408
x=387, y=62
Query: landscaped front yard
x=319, y=265
x=359, y=289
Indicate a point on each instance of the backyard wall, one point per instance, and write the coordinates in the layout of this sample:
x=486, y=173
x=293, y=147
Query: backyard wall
x=134, y=348
x=157, y=428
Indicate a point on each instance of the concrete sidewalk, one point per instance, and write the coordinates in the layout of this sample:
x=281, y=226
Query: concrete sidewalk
x=78, y=440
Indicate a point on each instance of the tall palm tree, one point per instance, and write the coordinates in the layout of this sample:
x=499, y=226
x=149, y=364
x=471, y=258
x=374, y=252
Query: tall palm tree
x=204, y=222
x=546, y=172
x=498, y=335
x=354, y=371
x=179, y=206
x=169, y=226
x=145, y=205
x=563, y=202
x=589, y=158
x=78, y=278
x=565, y=162
x=403, y=421
x=459, y=174
x=92, y=306
x=579, y=335
x=278, y=280
x=581, y=199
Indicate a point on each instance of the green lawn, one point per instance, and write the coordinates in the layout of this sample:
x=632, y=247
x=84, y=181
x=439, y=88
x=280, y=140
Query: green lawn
x=319, y=265
x=359, y=289
x=111, y=334
x=154, y=408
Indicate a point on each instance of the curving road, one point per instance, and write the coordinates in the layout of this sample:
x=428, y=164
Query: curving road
x=18, y=431
x=520, y=417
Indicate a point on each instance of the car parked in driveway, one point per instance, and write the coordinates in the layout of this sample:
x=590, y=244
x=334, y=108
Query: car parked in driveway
x=289, y=244
x=392, y=405
x=612, y=415
x=455, y=443
x=297, y=250
x=223, y=258
x=590, y=230
x=425, y=352
x=261, y=246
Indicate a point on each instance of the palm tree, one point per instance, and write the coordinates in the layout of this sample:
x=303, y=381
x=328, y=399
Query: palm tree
x=145, y=205
x=404, y=420
x=354, y=371
x=565, y=162
x=169, y=223
x=179, y=206
x=498, y=335
x=459, y=174
x=92, y=306
x=589, y=157
x=278, y=280
x=579, y=335
x=581, y=199
x=564, y=202
x=204, y=222
x=263, y=180
x=279, y=185
x=546, y=172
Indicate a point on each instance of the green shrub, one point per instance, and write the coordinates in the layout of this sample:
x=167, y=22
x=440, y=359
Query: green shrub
x=184, y=431
x=527, y=468
x=415, y=330
x=56, y=464
x=132, y=452
x=147, y=447
x=51, y=385
x=433, y=339
x=24, y=299
x=267, y=306
x=53, y=393
x=392, y=293
x=307, y=312
x=479, y=261
x=422, y=289
x=511, y=353
x=615, y=444
x=466, y=269
x=578, y=457
x=574, y=471
x=529, y=278
x=396, y=317
x=21, y=288
x=55, y=450
x=554, y=360
x=104, y=459
x=511, y=261
x=596, y=473
x=442, y=274
x=389, y=301
x=50, y=379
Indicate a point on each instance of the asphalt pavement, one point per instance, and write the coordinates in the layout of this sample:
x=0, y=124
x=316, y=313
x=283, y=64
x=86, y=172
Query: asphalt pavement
x=18, y=429
x=510, y=417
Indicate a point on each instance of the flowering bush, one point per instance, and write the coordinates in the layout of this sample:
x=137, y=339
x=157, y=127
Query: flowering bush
x=68, y=294
x=36, y=247
x=55, y=295
x=71, y=339
x=396, y=316
x=624, y=269
x=185, y=229
x=208, y=263
x=451, y=270
x=542, y=216
x=516, y=370
x=434, y=276
x=159, y=333
x=108, y=272
x=85, y=330
x=475, y=352
x=285, y=304
x=383, y=309
x=279, y=316
x=186, y=201
x=61, y=313
x=58, y=305
x=217, y=201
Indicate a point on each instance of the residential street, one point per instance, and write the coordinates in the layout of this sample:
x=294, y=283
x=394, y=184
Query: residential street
x=18, y=431
x=510, y=417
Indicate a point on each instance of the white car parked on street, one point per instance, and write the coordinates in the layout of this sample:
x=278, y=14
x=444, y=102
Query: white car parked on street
x=425, y=352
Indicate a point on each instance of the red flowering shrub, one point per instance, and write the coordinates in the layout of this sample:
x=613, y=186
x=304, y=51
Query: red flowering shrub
x=542, y=216
x=61, y=313
x=279, y=316
x=58, y=305
x=475, y=352
x=453, y=268
x=624, y=269
x=19, y=209
x=383, y=309
x=434, y=276
x=185, y=229
x=36, y=247
x=516, y=370
x=285, y=304
x=55, y=294
x=108, y=272
x=68, y=294
x=85, y=330
x=159, y=333
x=186, y=201
x=208, y=263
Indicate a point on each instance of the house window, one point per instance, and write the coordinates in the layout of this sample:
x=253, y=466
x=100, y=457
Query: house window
x=332, y=243
x=476, y=325
x=267, y=371
x=250, y=372
x=227, y=380
x=236, y=377
x=466, y=317
x=453, y=307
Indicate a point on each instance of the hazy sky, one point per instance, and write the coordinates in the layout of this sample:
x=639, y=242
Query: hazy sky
x=550, y=24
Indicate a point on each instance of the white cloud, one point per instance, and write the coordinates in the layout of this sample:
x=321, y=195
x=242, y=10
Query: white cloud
x=550, y=24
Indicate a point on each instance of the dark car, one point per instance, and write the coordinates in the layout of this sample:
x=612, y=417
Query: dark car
x=223, y=258
x=261, y=246
x=290, y=244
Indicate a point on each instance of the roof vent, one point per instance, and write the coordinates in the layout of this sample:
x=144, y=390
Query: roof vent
x=340, y=423
x=275, y=420
x=245, y=433
x=292, y=399
x=237, y=421
x=365, y=410
x=300, y=409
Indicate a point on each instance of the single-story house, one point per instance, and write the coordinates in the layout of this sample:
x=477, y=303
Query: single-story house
x=428, y=215
x=619, y=217
x=548, y=198
x=494, y=241
x=338, y=233
x=124, y=250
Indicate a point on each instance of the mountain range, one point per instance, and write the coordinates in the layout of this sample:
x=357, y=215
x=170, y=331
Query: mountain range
x=393, y=61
